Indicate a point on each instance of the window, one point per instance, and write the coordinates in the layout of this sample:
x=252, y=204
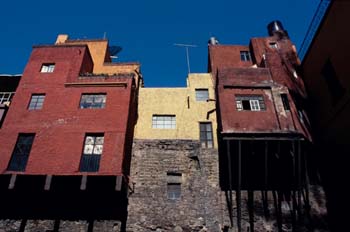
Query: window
x=285, y=102
x=245, y=56
x=47, y=68
x=36, y=102
x=202, y=94
x=163, y=122
x=333, y=83
x=250, y=102
x=93, y=101
x=21, y=152
x=5, y=97
x=92, y=151
x=174, y=185
x=206, y=134
x=273, y=45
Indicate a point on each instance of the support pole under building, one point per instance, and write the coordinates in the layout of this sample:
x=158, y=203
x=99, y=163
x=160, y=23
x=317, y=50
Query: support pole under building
x=265, y=191
x=299, y=180
x=251, y=209
x=229, y=181
x=239, y=187
x=294, y=203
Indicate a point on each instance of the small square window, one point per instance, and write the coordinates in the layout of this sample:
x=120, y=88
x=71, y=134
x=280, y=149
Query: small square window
x=36, y=102
x=245, y=56
x=47, y=68
x=273, y=45
x=93, y=101
x=202, y=94
x=92, y=151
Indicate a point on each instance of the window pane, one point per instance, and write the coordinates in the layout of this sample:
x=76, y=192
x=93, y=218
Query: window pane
x=88, y=149
x=98, y=149
x=202, y=94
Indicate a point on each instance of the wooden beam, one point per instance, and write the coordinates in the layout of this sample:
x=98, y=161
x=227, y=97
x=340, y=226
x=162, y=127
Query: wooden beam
x=48, y=182
x=83, y=182
x=12, y=181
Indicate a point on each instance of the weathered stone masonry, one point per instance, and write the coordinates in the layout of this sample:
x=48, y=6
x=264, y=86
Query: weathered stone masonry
x=202, y=204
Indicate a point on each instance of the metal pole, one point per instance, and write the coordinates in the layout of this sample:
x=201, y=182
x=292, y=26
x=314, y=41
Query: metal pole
x=265, y=195
x=239, y=188
x=299, y=179
x=188, y=61
x=229, y=181
x=294, y=203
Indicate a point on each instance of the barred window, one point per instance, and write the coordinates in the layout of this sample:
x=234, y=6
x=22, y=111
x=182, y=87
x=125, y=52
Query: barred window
x=202, y=94
x=164, y=121
x=93, y=101
x=36, y=102
x=250, y=102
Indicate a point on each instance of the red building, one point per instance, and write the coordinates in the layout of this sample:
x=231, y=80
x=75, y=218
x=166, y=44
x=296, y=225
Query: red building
x=66, y=140
x=263, y=129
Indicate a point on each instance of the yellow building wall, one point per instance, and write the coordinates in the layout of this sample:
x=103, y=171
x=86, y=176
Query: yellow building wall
x=180, y=102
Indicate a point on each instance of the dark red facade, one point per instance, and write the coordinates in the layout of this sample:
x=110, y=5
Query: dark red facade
x=52, y=184
x=269, y=73
x=60, y=126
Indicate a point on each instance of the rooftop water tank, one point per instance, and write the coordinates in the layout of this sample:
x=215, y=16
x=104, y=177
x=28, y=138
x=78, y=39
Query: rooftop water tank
x=275, y=27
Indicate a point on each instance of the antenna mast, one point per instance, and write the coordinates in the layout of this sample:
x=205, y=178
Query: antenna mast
x=187, y=56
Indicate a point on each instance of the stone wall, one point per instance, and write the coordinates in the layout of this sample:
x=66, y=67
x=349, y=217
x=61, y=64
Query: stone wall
x=59, y=225
x=201, y=206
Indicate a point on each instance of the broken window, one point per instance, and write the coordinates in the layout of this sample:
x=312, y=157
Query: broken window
x=245, y=56
x=93, y=101
x=36, y=102
x=164, y=121
x=174, y=185
x=21, y=152
x=250, y=102
x=202, y=94
x=92, y=151
x=206, y=134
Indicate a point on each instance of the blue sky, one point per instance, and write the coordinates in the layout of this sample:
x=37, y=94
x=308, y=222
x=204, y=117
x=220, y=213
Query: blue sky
x=146, y=29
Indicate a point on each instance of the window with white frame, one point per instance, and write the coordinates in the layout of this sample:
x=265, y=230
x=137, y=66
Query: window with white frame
x=93, y=101
x=47, y=68
x=36, y=102
x=202, y=94
x=163, y=121
x=92, y=151
x=250, y=102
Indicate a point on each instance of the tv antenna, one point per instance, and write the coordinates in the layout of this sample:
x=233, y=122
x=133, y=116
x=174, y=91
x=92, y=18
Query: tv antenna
x=187, y=56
